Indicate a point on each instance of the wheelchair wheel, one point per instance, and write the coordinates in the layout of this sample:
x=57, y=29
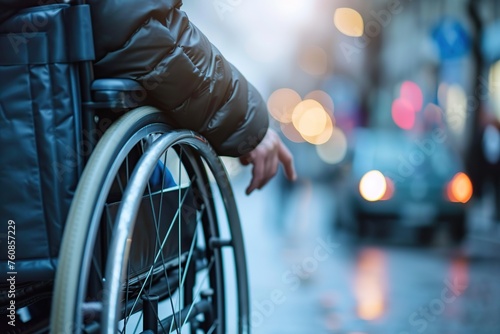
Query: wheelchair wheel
x=174, y=261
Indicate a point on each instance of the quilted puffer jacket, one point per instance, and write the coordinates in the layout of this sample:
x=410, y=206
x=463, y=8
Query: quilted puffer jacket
x=153, y=42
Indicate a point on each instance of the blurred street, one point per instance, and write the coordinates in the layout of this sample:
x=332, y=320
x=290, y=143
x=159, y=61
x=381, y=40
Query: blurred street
x=307, y=278
x=411, y=135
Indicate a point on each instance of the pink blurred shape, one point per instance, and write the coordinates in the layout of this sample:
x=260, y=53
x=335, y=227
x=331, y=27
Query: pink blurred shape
x=403, y=113
x=412, y=93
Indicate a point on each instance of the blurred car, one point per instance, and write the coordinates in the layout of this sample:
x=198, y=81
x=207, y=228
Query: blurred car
x=414, y=181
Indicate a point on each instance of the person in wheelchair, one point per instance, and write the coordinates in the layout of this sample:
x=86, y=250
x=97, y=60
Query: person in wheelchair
x=189, y=83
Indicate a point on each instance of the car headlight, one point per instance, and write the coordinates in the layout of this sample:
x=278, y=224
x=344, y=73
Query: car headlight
x=459, y=189
x=374, y=186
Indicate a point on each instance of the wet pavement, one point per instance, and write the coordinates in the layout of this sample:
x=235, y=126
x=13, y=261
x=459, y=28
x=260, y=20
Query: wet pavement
x=307, y=278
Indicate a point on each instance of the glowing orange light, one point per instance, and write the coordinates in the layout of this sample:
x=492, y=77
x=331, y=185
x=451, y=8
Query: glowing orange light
x=309, y=118
x=323, y=98
x=312, y=122
x=349, y=22
x=403, y=114
x=459, y=188
x=412, y=93
x=369, y=285
x=324, y=136
x=281, y=104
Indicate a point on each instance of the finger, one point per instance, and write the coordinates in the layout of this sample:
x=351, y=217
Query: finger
x=272, y=164
x=257, y=176
x=286, y=159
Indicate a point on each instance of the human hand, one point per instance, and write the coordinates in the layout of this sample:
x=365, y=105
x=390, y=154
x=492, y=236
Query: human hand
x=266, y=158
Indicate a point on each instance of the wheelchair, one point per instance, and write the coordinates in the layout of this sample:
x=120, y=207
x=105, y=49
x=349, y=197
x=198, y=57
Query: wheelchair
x=123, y=223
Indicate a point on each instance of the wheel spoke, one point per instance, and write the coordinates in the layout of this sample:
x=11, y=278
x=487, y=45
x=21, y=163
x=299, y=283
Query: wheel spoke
x=160, y=253
x=127, y=291
x=119, y=182
x=188, y=262
x=181, y=302
x=199, y=289
x=212, y=328
x=162, y=187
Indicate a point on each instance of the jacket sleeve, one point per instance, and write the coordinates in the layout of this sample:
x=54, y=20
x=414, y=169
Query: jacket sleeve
x=185, y=75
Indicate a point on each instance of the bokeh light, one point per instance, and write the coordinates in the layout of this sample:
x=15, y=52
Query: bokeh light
x=349, y=22
x=281, y=104
x=314, y=61
x=312, y=122
x=456, y=108
x=494, y=87
x=323, y=98
x=373, y=186
x=309, y=118
x=412, y=93
x=324, y=136
x=334, y=149
x=370, y=284
x=460, y=188
x=403, y=114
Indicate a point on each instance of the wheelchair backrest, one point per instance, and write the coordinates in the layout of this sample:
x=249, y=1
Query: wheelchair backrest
x=40, y=130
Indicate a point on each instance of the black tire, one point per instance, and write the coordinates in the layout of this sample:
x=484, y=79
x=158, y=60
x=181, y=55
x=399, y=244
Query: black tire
x=81, y=279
